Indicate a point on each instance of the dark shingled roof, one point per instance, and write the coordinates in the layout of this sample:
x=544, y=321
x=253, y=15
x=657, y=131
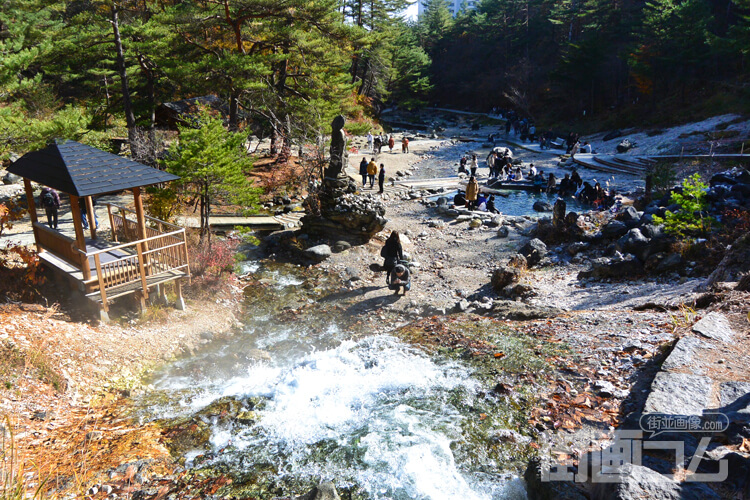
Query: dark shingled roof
x=80, y=170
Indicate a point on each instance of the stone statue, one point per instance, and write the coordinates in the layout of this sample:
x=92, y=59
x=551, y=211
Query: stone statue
x=338, y=148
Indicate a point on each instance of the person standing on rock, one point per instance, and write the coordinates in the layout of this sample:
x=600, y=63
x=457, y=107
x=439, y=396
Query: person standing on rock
x=370, y=141
x=392, y=253
x=400, y=278
x=472, y=190
x=372, y=169
x=404, y=145
x=363, y=170
x=473, y=166
x=50, y=200
x=381, y=178
x=391, y=143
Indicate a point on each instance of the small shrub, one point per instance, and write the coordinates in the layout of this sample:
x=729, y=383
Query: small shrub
x=689, y=220
x=663, y=177
x=214, y=259
x=162, y=204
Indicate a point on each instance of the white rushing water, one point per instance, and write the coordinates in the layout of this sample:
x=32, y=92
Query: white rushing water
x=375, y=412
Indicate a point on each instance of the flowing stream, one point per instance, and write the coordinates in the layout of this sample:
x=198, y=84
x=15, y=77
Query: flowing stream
x=312, y=397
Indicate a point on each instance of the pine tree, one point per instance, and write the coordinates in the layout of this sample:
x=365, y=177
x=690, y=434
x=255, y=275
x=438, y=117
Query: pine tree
x=211, y=162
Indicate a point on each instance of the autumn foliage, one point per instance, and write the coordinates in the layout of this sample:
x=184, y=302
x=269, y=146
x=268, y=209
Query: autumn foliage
x=20, y=264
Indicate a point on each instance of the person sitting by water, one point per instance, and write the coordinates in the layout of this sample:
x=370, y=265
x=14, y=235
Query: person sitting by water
x=481, y=203
x=491, y=205
x=587, y=193
x=576, y=178
x=462, y=165
x=519, y=174
x=459, y=199
x=539, y=178
x=400, y=278
x=566, y=186
x=551, y=183
x=532, y=171
x=472, y=191
x=586, y=148
x=599, y=196
x=392, y=253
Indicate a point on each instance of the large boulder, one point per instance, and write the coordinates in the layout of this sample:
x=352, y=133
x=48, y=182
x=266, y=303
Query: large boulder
x=318, y=253
x=542, y=206
x=534, y=251
x=339, y=213
x=9, y=179
x=735, y=263
x=636, y=482
x=504, y=276
x=634, y=242
x=324, y=491
x=614, y=229
x=604, y=267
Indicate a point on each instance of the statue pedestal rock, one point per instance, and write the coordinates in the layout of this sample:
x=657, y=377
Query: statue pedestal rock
x=343, y=215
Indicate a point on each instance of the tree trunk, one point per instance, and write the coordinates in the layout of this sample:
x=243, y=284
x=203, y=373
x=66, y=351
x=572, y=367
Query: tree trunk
x=126, y=102
x=234, y=107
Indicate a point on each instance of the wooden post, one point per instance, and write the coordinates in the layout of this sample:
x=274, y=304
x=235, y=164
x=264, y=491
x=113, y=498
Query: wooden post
x=75, y=210
x=112, y=223
x=142, y=269
x=142, y=246
x=91, y=216
x=32, y=208
x=100, y=277
x=125, y=228
x=30, y=199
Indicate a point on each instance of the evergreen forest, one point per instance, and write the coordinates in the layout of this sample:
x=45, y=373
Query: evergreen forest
x=96, y=69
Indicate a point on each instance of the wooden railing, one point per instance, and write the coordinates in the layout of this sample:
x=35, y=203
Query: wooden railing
x=57, y=243
x=137, y=259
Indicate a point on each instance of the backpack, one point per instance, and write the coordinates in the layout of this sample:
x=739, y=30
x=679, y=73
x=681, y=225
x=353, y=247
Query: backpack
x=48, y=199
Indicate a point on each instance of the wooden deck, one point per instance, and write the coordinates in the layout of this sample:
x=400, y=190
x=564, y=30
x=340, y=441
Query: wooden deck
x=109, y=269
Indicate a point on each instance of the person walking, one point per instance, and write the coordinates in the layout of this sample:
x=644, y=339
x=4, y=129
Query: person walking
x=381, y=178
x=404, y=145
x=391, y=143
x=50, y=200
x=370, y=141
x=472, y=190
x=363, y=170
x=372, y=169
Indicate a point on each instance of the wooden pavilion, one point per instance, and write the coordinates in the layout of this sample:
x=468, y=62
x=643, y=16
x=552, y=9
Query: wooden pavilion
x=144, y=253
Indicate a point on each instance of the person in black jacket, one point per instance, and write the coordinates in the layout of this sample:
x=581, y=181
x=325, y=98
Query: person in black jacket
x=363, y=170
x=381, y=178
x=392, y=252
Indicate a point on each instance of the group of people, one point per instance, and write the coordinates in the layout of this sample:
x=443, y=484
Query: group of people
x=49, y=199
x=472, y=163
x=376, y=143
x=368, y=170
x=474, y=200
